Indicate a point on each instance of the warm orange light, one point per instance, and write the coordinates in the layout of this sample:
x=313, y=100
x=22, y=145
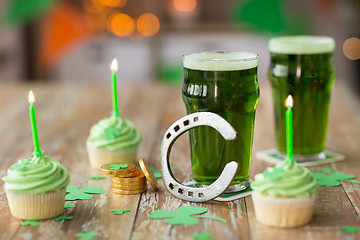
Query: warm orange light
x=148, y=24
x=351, y=48
x=185, y=5
x=31, y=97
x=121, y=25
x=112, y=3
x=114, y=65
x=289, y=102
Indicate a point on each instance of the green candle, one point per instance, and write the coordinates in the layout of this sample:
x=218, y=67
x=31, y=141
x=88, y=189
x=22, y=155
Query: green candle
x=289, y=129
x=114, y=67
x=37, y=151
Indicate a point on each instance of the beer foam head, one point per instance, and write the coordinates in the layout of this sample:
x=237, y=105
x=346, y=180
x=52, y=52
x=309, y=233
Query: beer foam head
x=220, y=61
x=301, y=45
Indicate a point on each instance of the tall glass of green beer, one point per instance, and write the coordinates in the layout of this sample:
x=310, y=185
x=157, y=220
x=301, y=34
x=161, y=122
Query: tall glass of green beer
x=224, y=83
x=303, y=67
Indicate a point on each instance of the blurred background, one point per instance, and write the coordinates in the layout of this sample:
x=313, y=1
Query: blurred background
x=75, y=41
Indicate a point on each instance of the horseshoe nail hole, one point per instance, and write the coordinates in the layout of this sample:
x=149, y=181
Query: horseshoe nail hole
x=176, y=128
x=168, y=135
x=181, y=191
x=190, y=194
x=201, y=194
x=186, y=122
x=196, y=119
x=171, y=186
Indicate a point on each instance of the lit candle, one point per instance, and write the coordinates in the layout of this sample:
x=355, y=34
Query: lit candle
x=114, y=68
x=289, y=129
x=37, y=151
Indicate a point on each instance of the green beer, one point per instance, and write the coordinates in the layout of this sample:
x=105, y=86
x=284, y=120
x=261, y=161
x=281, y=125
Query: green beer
x=224, y=83
x=303, y=67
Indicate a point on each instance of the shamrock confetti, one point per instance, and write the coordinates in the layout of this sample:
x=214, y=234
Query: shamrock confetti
x=325, y=170
x=30, y=223
x=21, y=164
x=202, y=236
x=157, y=172
x=82, y=194
x=274, y=174
x=62, y=218
x=86, y=234
x=67, y=206
x=111, y=133
x=349, y=229
x=352, y=181
x=97, y=177
x=120, y=211
x=184, y=215
x=331, y=180
x=118, y=166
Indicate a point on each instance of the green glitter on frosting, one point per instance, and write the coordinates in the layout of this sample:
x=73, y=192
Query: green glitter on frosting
x=294, y=181
x=36, y=175
x=103, y=134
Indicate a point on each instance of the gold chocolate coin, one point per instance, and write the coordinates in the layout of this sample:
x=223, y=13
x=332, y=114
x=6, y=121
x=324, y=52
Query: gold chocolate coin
x=128, y=192
x=148, y=173
x=129, y=171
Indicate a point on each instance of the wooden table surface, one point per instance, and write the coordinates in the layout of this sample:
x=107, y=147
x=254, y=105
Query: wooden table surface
x=65, y=114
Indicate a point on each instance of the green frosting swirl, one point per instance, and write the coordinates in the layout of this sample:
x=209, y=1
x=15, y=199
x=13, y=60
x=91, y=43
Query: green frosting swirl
x=114, y=133
x=36, y=175
x=287, y=179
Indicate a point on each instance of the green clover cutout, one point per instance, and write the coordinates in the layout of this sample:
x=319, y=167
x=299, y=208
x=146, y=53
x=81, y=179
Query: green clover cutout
x=67, y=206
x=157, y=172
x=21, y=164
x=274, y=174
x=349, y=229
x=33, y=223
x=86, y=234
x=202, y=236
x=184, y=215
x=120, y=211
x=118, y=166
x=97, y=177
x=82, y=194
x=111, y=133
x=62, y=218
x=325, y=170
x=331, y=180
x=352, y=181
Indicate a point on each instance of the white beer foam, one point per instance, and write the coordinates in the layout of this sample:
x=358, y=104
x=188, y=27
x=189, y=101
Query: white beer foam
x=302, y=44
x=220, y=61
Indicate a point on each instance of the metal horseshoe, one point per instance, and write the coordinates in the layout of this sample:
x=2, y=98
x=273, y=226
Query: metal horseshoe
x=178, y=128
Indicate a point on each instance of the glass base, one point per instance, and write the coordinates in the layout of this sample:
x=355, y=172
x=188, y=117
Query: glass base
x=232, y=188
x=305, y=157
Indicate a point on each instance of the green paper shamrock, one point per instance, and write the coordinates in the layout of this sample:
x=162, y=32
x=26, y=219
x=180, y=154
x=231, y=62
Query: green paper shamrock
x=82, y=194
x=184, y=215
x=67, y=206
x=111, y=133
x=274, y=174
x=97, y=177
x=120, y=211
x=21, y=164
x=86, y=234
x=325, y=170
x=30, y=223
x=331, y=180
x=202, y=236
x=62, y=218
x=349, y=229
x=118, y=166
x=352, y=181
x=157, y=172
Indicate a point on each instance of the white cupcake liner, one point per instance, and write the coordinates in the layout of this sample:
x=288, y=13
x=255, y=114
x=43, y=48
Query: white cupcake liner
x=101, y=156
x=36, y=206
x=283, y=211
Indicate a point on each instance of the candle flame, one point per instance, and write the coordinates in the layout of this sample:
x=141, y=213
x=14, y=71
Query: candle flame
x=31, y=97
x=114, y=65
x=289, y=102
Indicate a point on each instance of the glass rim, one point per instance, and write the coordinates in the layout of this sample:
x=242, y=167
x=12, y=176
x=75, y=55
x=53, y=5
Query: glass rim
x=249, y=58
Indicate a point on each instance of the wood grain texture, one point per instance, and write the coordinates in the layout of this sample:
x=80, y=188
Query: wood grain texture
x=65, y=114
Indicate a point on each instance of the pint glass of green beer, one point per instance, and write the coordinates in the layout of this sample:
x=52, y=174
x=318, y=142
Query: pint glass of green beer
x=303, y=67
x=224, y=83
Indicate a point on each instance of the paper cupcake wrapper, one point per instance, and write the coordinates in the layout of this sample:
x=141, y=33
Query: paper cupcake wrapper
x=101, y=156
x=283, y=212
x=36, y=206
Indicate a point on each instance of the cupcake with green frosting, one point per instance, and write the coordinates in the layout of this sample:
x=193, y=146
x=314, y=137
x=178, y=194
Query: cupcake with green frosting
x=284, y=195
x=36, y=188
x=113, y=140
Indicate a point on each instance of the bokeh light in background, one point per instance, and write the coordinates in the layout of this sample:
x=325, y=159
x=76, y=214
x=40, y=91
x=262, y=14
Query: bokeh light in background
x=148, y=24
x=185, y=5
x=111, y=3
x=351, y=48
x=121, y=25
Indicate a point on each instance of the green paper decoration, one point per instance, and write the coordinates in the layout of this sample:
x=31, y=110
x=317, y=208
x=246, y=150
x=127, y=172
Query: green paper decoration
x=352, y=181
x=118, y=166
x=202, y=236
x=67, y=206
x=274, y=174
x=82, y=194
x=62, y=218
x=33, y=223
x=120, y=211
x=331, y=180
x=157, y=172
x=184, y=215
x=349, y=229
x=111, y=133
x=86, y=234
x=97, y=177
x=325, y=170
